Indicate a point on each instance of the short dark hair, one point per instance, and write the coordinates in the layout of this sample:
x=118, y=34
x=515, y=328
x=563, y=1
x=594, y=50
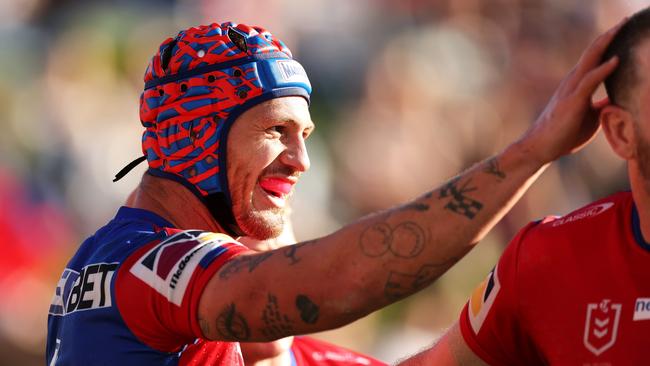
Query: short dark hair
x=630, y=36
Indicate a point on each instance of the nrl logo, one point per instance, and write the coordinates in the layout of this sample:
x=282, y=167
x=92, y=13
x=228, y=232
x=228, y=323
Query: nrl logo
x=601, y=326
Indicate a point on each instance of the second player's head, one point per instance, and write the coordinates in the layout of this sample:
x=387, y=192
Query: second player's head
x=627, y=121
x=629, y=45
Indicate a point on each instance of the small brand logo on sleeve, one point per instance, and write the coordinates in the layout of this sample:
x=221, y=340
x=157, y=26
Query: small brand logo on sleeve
x=292, y=71
x=642, y=309
x=169, y=265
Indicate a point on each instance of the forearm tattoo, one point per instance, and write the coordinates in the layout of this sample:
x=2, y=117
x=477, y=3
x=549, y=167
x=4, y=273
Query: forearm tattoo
x=237, y=264
x=460, y=203
x=276, y=324
x=232, y=326
x=401, y=284
x=416, y=206
x=405, y=240
x=309, y=311
x=492, y=167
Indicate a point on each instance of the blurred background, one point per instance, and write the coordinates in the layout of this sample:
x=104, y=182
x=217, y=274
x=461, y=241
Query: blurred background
x=406, y=94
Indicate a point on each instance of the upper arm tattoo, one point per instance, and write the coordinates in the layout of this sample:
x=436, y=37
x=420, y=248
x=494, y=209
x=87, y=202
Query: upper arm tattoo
x=245, y=261
x=276, y=324
x=205, y=326
x=309, y=311
x=291, y=251
x=232, y=325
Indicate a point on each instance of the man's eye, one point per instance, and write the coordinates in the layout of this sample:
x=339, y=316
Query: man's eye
x=277, y=129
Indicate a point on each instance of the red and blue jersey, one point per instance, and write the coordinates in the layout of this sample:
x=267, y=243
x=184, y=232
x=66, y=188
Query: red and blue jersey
x=130, y=296
x=573, y=290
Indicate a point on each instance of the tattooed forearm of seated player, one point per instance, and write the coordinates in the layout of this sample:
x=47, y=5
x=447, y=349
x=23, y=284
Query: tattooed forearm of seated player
x=249, y=262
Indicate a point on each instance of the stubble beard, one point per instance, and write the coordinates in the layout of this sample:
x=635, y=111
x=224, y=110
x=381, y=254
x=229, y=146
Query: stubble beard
x=261, y=224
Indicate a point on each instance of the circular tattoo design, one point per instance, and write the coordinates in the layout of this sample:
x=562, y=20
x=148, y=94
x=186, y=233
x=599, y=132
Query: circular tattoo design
x=375, y=240
x=408, y=240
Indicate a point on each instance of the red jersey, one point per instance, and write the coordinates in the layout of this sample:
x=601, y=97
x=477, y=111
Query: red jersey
x=309, y=351
x=573, y=290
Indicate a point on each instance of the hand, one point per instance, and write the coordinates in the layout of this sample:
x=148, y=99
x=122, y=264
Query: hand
x=570, y=119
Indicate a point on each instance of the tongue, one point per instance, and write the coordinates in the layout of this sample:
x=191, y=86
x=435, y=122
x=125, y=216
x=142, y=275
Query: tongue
x=276, y=185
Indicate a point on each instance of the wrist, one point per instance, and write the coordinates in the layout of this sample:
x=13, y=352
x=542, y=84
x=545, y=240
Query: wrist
x=522, y=155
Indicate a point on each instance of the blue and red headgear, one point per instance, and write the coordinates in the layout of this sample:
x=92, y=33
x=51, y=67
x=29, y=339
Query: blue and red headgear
x=195, y=87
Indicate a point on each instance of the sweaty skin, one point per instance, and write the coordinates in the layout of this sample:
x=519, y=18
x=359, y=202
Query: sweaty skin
x=330, y=281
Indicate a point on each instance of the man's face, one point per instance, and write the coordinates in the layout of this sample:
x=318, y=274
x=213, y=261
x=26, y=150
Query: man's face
x=266, y=154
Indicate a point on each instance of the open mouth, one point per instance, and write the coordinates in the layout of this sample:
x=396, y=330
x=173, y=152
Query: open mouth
x=274, y=194
x=276, y=187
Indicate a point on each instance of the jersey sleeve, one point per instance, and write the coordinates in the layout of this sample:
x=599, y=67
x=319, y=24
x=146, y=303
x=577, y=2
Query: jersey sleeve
x=159, y=286
x=491, y=321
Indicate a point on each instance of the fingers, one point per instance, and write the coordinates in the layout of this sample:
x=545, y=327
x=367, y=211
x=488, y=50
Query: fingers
x=593, y=78
x=592, y=56
x=600, y=104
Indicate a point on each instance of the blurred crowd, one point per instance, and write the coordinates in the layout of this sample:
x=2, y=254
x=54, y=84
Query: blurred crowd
x=406, y=94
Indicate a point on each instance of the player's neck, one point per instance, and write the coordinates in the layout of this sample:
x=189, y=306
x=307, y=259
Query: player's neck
x=641, y=195
x=276, y=353
x=173, y=202
x=283, y=359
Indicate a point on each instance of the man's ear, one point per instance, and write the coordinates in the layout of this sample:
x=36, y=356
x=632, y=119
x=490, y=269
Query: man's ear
x=619, y=129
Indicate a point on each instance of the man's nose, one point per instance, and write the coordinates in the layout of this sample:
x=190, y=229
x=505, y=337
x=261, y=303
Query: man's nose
x=296, y=155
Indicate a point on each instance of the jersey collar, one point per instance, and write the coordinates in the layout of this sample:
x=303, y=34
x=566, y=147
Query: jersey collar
x=138, y=214
x=636, y=229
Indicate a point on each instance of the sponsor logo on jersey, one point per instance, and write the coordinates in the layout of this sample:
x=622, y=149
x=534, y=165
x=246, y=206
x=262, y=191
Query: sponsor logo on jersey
x=88, y=289
x=601, y=326
x=587, y=212
x=482, y=299
x=169, y=265
x=642, y=309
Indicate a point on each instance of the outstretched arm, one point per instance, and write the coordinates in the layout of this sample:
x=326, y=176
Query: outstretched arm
x=379, y=259
x=449, y=350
